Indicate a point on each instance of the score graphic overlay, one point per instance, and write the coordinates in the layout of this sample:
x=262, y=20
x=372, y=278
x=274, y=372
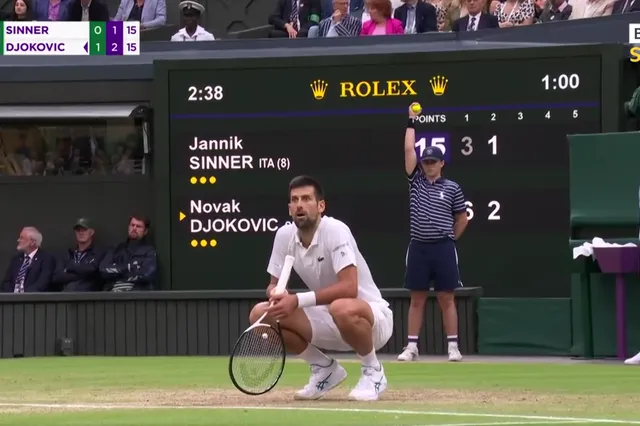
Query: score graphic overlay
x=236, y=141
x=114, y=38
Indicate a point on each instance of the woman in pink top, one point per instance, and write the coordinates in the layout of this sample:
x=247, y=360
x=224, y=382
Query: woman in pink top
x=381, y=22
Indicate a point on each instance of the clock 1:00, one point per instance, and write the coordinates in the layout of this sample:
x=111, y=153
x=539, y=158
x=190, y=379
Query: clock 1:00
x=562, y=82
x=206, y=93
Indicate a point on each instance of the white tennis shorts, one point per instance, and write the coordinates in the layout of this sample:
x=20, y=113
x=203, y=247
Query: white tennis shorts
x=325, y=333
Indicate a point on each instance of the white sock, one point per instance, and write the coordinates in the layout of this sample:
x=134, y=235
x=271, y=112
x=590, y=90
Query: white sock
x=315, y=357
x=413, y=346
x=453, y=342
x=370, y=360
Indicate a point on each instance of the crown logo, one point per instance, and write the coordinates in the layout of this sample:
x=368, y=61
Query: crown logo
x=319, y=88
x=438, y=85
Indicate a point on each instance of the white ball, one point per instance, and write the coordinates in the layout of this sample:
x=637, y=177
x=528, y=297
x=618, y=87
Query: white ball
x=264, y=335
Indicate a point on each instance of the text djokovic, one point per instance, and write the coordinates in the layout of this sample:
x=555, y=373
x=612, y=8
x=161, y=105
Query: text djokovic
x=224, y=224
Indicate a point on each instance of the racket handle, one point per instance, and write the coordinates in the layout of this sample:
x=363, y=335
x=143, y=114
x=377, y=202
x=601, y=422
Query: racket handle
x=285, y=274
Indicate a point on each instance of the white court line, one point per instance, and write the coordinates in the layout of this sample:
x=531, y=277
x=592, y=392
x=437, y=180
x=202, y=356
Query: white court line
x=507, y=423
x=321, y=409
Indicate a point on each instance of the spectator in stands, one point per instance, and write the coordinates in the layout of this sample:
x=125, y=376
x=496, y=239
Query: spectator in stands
x=85, y=10
x=557, y=10
x=417, y=17
x=476, y=19
x=49, y=10
x=150, y=13
x=381, y=22
x=327, y=9
x=31, y=269
x=192, y=31
x=591, y=8
x=515, y=13
x=294, y=18
x=339, y=24
x=447, y=11
x=132, y=265
x=22, y=11
x=625, y=6
x=79, y=268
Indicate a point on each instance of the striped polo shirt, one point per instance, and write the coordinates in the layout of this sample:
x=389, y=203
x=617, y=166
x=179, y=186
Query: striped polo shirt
x=432, y=207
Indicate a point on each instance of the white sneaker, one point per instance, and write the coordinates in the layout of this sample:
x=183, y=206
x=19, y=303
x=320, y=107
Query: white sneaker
x=371, y=384
x=633, y=360
x=409, y=354
x=454, y=354
x=322, y=380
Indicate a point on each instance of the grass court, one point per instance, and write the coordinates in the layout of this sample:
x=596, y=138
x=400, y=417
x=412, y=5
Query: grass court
x=171, y=391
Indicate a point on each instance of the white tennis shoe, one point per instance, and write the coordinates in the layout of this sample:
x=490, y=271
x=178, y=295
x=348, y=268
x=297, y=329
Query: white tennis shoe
x=371, y=384
x=409, y=354
x=322, y=380
x=635, y=360
x=454, y=354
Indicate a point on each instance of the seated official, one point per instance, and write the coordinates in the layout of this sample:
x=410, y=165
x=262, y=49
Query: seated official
x=150, y=13
x=132, y=265
x=417, y=17
x=294, y=18
x=85, y=10
x=79, y=268
x=339, y=24
x=192, y=30
x=49, y=10
x=32, y=268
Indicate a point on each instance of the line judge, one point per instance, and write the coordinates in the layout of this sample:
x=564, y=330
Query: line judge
x=438, y=217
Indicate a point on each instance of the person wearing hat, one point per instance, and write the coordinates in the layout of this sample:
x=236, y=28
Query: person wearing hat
x=192, y=31
x=438, y=217
x=78, y=268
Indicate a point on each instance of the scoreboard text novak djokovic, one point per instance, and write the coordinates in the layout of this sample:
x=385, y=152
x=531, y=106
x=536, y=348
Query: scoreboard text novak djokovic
x=114, y=38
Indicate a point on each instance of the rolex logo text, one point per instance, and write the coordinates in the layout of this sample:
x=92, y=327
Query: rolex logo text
x=365, y=89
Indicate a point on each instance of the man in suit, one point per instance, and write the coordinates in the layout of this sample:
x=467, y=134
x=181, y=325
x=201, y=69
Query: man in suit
x=78, y=269
x=85, y=10
x=294, y=18
x=625, y=6
x=340, y=23
x=476, y=19
x=31, y=269
x=417, y=17
x=558, y=10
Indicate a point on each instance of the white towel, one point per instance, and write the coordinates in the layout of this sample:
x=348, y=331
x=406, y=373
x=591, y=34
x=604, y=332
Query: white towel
x=587, y=248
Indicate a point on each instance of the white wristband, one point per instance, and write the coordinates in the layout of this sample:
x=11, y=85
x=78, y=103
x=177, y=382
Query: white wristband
x=306, y=299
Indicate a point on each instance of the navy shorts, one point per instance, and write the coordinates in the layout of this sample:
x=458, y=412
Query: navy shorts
x=432, y=265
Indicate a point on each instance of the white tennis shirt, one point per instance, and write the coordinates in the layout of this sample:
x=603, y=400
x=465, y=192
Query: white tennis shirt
x=332, y=249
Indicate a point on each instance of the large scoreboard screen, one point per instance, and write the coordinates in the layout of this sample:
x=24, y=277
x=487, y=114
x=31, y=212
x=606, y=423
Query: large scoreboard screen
x=239, y=133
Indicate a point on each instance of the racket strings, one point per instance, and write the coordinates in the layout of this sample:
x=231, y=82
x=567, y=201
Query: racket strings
x=257, y=359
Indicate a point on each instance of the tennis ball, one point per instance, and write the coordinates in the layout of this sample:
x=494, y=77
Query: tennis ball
x=416, y=108
x=264, y=335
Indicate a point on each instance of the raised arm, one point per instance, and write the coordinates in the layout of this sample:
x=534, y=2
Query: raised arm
x=410, y=158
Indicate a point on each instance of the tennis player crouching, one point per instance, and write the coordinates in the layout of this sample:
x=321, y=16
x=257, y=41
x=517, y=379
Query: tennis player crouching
x=343, y=311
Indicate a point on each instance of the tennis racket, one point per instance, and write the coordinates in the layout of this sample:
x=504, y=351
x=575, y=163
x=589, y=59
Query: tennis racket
x=257, y=359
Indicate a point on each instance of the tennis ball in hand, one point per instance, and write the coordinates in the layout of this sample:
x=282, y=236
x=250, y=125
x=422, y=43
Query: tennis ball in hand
x=416, y=108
